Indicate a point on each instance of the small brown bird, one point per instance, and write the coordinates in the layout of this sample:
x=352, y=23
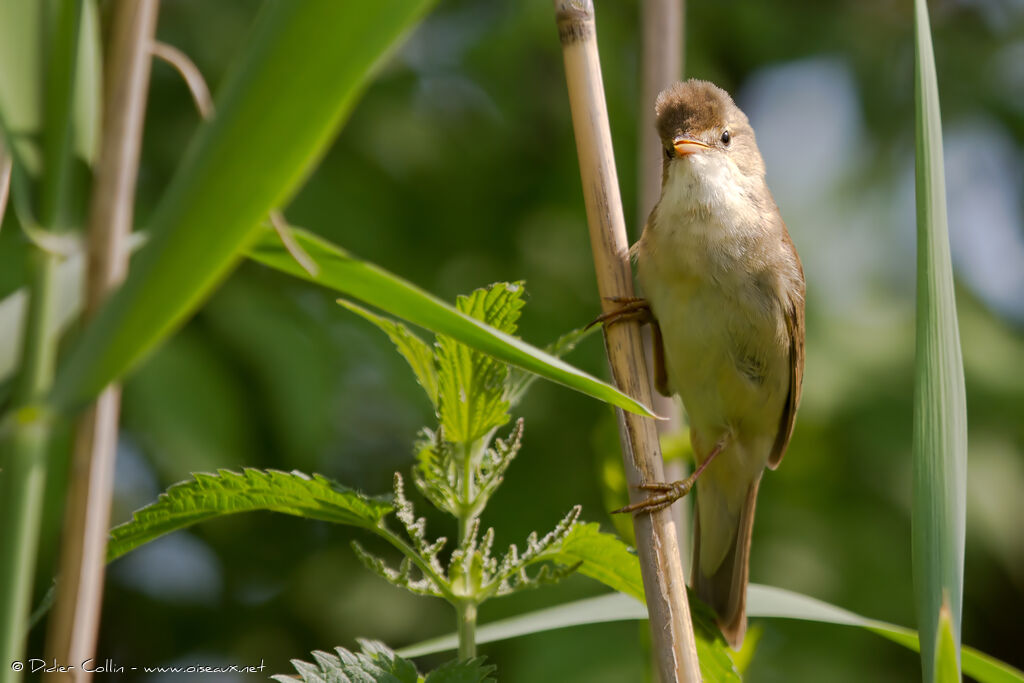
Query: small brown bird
x=725, y=288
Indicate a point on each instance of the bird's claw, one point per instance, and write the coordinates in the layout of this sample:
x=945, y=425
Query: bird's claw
x=668, y=493
x=630, y=308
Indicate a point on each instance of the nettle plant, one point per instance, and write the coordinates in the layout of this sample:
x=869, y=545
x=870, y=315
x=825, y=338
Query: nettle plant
x=460, y=462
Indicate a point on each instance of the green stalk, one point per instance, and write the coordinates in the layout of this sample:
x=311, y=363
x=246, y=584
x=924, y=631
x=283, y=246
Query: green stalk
x=465, y=605
x=24, y=434
x=466, y=610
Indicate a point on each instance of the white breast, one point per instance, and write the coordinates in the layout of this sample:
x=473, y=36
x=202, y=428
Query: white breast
x=704, y=264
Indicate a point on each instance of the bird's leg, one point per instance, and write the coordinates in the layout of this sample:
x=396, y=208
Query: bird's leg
x=670, y=492
x=630, y=308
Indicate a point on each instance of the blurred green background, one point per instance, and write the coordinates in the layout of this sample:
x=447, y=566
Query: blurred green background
x=458, y=168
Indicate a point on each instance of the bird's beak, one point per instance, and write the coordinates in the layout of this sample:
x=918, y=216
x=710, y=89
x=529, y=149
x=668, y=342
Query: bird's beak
x=684, y=146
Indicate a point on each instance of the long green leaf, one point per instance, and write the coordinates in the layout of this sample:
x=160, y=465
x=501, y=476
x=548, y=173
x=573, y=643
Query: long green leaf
x=940, y=404
x=947, y=666
x=214, y=495
x=762, y=601
x=303, y=66
x=340, y=271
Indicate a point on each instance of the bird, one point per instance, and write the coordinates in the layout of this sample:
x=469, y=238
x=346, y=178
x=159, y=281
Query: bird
x=724, y=292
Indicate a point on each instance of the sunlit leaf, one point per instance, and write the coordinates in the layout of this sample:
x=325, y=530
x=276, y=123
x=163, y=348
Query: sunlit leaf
x=471, y=384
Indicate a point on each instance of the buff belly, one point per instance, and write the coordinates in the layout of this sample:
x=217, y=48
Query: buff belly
x=727, y=358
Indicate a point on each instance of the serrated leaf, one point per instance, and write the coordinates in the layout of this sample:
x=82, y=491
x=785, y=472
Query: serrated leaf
x=375, y=664
x=416, y=352
x=469, y=671
x=604, y=557
x=471, y=385
x=214, y=495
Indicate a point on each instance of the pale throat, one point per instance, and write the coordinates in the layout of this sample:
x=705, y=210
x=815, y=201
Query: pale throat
x=707, y=186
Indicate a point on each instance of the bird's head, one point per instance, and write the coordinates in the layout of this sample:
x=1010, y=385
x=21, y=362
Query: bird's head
x=702, y=127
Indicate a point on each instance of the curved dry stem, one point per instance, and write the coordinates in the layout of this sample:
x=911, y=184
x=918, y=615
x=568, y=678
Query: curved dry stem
x=189, y=72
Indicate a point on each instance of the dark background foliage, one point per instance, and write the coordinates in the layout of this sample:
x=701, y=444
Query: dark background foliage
x=458, y=168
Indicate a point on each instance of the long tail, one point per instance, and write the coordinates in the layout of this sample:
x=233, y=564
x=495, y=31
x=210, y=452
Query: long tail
x=725, y=588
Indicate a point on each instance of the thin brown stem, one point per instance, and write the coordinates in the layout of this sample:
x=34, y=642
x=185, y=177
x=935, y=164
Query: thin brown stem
x=657, y=545
x=72, y=632
x=189, y=72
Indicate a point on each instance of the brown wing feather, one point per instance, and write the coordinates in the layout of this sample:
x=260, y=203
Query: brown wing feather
x=794, y=312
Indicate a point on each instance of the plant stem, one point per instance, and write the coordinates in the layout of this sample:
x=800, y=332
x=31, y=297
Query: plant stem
x=466, y=611
x=73, y=626
x=673, y=641
x=24, y=434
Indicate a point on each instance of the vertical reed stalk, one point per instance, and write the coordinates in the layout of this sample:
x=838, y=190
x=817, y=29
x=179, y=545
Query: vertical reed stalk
x=73, y=626
x=671, y=627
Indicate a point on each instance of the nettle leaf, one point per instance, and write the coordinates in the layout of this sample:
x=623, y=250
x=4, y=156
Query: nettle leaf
x=469, y=671
x=227, y=492
x=377, y=663
x=472, y=393
x=416, y=352
x=604, y=557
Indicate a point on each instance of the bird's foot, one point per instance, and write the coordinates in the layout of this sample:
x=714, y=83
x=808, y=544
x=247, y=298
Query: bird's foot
x=666, y=494
x=630, y=308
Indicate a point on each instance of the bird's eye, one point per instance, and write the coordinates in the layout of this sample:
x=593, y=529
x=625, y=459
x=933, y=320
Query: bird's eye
x=669, y=153
x=726, y=138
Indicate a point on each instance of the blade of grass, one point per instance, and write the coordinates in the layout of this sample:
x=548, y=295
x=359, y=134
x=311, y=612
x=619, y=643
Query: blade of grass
x=271, y=127
x=762, y=601
x=940, y=405
x=344, y=273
